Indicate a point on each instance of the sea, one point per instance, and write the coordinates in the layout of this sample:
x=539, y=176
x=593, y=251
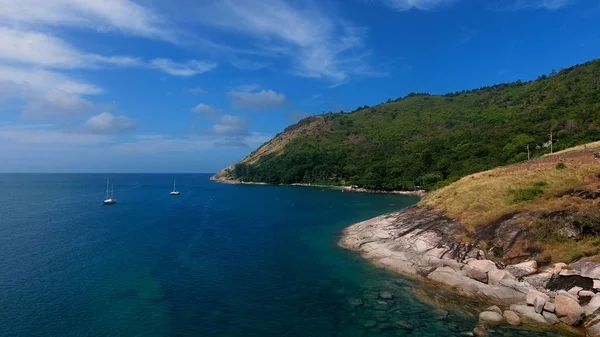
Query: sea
x=217, y=260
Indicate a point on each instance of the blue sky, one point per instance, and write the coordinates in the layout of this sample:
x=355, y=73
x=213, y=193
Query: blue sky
x=195, y=85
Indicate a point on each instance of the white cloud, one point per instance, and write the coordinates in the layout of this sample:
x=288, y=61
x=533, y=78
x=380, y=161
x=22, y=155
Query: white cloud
x=107, y=123
x=404, y=5
x=516, y=5
x=196, y=90
x=44, y=135
x=262, y=100
x=185, y=69
x=123, y=16
x=203, y=108
x=39, y=49
x=43, y=80
x=46, y=93
x=230, y=126
x=319, y=45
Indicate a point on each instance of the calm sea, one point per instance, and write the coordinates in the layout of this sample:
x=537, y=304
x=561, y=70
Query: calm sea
x=218, y=260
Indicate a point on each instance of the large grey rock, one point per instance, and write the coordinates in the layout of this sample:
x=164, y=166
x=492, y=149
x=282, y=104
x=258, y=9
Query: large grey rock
x=532, y=295
x=476, y=273
x=597, y=284
x=457, y=266
x=550, y=317
x=491, y=318
x=540, y=280
x=483, y=265
x=528, y=313
x=497, y=275
x=587, y=269
x=512, y=318
x=592, y=306
x=522, y=269
x=494, y=308
x=499, y=293
x=568, y=310
x=538, y=304
x=549, y=307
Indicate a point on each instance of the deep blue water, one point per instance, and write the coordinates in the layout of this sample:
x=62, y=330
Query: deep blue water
x=219, y=260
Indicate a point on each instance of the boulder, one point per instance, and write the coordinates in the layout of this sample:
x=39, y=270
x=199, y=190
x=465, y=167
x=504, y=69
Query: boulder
x=457, y=266
x=446, y=269
x=557, y=267
x=491, y=318
x=568, y=310
x=592, y=326
x=497, y=275
x=550, y=317
x=597, y=284
x=522, y=269
x=538, y=304
x=528, y=313
x=476, y=274
x=575, y=291
x=483, y=265
x=494, y=308
x=565, y=293
x=512, y=318
x=549, y=307
x=592, y=306
x=586, y=293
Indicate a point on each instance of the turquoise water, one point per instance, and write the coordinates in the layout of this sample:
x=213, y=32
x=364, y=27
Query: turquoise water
x=219, y=260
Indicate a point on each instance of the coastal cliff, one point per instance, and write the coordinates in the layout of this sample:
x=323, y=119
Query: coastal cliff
x=533, y=258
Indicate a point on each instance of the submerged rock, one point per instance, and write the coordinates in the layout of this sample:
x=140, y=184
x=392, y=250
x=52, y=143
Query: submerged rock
x=481, y=332
x=386, y=295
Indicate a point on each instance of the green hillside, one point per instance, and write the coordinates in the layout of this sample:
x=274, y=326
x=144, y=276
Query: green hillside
x=431, y=140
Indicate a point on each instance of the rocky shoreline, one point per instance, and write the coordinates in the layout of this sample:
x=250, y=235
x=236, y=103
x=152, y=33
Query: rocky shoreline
x=418, y=193
x=421, y=243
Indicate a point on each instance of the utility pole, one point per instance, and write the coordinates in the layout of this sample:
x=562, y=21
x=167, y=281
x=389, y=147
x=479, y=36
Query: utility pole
x=551, y=145
x=528, y=156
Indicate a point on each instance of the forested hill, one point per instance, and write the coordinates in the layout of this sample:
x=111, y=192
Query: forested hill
x=431, y=140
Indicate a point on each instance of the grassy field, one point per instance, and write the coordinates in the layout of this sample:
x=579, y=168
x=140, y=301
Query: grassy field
x=537, y=187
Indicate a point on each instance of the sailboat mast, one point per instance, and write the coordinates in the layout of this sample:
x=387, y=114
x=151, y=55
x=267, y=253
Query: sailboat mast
x=106, y=188
x=174, y=180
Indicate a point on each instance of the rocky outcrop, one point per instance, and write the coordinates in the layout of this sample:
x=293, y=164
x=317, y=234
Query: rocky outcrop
x=422, y=243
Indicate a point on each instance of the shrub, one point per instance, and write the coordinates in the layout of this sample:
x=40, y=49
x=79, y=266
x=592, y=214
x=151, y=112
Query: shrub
x=561, y=166
x=526, y=194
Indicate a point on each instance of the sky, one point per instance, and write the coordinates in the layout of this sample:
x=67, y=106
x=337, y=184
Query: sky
x=196, y=85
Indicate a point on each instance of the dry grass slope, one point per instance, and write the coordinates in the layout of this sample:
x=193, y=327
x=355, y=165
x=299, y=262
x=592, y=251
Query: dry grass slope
x=484, y=197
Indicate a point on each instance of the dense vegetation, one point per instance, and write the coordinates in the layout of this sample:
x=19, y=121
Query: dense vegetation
x=431, y=140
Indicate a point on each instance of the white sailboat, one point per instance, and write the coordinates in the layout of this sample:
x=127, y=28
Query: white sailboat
x=110, y=199
x=174, y=192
